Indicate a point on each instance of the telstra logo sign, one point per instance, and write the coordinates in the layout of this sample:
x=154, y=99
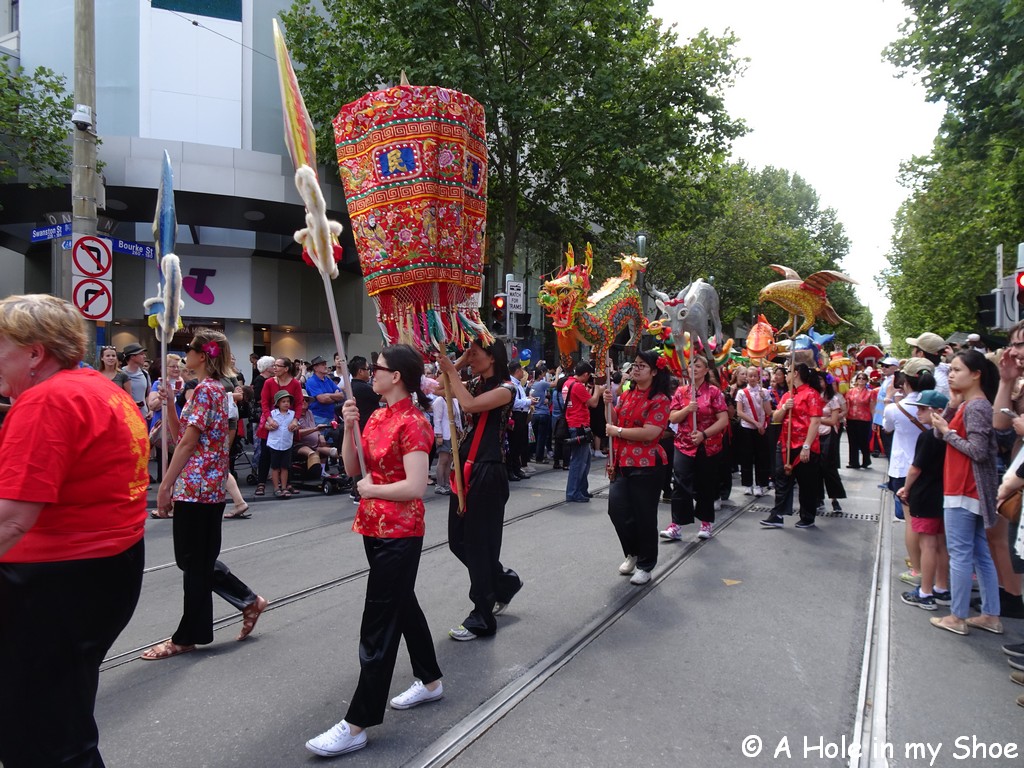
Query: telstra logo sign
x=195, y=284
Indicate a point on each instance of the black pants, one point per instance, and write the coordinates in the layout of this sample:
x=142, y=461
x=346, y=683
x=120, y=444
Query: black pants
x=57, y=622
x=695, y=481
x=807, y=475
x=754, y=452
x=831, y=482
x=390, y=612
x=264, y=468
x=633, y=509
x=519, y=441
x=858, y=435
x=475, y=538
x=196, y=547
x=668, y=443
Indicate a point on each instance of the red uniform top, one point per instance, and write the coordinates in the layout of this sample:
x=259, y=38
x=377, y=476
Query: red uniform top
x=390, y=433
x=860, y=403
x=957, y=470
x=806, y=406
x=575, y=395
x=710, y=403
x=635, y=409
x=77, y=443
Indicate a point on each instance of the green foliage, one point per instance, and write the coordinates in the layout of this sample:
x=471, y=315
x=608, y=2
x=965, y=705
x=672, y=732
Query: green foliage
x=966, y=197
x=757, y=219
x=34, y=127
x=596, y=116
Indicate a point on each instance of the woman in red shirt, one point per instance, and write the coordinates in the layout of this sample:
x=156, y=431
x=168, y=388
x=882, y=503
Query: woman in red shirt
x=71, y=548
x=799, y=447
x=638, y=460
x=696, y=467
x=860, y=405
x=284, y=378
x=396, y=444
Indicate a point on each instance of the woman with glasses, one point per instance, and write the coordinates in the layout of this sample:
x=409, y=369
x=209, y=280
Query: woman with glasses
x=860, y=406
x=194, y=488
x=110, y=368
x=638, y=459
x=475, y=536
x=284, y=378
x=396, y=444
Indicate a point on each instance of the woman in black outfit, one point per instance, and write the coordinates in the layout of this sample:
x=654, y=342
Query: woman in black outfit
x=475, y=535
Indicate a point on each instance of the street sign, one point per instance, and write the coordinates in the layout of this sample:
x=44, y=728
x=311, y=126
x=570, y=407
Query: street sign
x=51, y=232
x=93, y=298
x=127, y=247
x=516, y=296
x=91, y=257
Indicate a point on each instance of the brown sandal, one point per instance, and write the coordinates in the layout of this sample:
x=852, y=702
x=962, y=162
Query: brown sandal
x=250, y=615
x=165, y=650
x=260, y=490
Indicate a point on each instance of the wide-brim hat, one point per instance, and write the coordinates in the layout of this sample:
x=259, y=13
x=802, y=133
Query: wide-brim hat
x=132, y=349
x=281, y=394
x=316, y=361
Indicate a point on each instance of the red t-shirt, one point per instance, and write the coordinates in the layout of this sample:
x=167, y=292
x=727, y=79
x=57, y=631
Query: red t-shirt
x=271, y=388
x=577, y=412
x=957, y=470
x=860, y=403
x=635, y=409
x=390, y=433
x=77, y=443
x=806, y=405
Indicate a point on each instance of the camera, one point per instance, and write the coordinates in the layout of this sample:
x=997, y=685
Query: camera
x=82, y=117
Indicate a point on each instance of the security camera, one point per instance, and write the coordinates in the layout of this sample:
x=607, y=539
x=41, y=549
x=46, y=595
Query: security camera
x=82, y=117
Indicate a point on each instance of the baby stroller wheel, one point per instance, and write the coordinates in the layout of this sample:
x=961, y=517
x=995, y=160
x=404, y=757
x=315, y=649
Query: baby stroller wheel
x=327, y=487
x=250, y=479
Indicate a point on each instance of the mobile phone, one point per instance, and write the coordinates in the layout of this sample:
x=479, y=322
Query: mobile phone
x=1008, y=413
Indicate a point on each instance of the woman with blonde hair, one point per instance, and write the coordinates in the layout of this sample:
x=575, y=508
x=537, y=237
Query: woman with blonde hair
x=110, y=367
x=71, y=547
x=195, y=481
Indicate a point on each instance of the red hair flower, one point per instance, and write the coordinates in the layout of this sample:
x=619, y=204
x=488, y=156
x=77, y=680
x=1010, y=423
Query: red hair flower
x=662, y=362
x=212, y=349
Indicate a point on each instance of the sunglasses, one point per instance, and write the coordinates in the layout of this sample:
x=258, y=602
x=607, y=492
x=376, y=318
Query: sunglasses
x=374, y=368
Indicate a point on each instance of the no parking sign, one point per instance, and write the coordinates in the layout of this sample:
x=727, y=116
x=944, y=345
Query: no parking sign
x=92, y=265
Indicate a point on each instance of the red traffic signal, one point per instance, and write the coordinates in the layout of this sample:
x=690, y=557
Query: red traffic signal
x=498, y=302
x=498, y=313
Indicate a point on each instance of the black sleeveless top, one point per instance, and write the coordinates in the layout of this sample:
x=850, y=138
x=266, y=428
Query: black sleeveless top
x=491, y=442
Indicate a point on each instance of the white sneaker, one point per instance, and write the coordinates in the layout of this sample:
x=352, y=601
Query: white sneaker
x=417, y=693
x=759, y=491
x=705, y=531
x=718, y=504
x=336, y=741
x=599, y=455
x=748, y=491
x=628, y=565
x=640, y=577
x=673, y=532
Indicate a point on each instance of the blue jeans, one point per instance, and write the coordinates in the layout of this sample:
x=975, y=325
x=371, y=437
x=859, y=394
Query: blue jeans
x=968, y=552
x=577, y=485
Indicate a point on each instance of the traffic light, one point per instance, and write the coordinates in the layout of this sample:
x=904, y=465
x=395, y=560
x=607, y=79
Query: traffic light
x=986, y=314
x=498, y=313
x=1019, y=279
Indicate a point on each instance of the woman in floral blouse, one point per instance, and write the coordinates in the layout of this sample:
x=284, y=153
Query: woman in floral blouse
x=396, y=444
x=695, y=468
x=860, y=403
x=195, y=481
x=635, y=429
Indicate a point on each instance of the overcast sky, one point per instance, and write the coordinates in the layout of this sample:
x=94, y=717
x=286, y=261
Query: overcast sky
x=820, y=102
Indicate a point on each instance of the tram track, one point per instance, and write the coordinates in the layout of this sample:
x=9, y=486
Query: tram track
x=125, y=657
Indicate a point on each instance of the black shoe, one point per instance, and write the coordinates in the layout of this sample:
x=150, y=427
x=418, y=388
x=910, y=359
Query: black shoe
x=773, y=521
x=1010, y=606
x=1016, y=662
x=835, y=506
x=804, y=524
x=514, y=478
x=866, y=465
x=942, y=598
x=1016, y=650
x=556, y=466
x=853, y=466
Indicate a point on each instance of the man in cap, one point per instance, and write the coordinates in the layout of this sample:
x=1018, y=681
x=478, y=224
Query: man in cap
x=974, y=342
x=887, y=368
x=932, y=347
x=324, y=392
x=135, y=369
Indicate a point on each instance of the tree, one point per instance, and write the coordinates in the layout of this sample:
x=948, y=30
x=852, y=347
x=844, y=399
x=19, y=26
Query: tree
x=34, y=111
x=760, y=218
x=596, y=116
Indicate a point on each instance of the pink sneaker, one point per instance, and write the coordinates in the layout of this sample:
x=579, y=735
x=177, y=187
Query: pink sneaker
x=673, y=532
x=705, y=531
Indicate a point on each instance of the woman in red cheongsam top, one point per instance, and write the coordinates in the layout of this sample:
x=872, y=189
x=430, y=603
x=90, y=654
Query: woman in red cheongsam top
x=639, y=462
x=396, y=443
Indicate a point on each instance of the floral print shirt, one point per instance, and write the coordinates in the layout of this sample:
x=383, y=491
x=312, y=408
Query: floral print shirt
x=635, y=409
x=390, y=433
x=202, y=479
x=710, y=403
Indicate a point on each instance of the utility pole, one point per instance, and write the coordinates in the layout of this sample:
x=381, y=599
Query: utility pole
x=83, y=171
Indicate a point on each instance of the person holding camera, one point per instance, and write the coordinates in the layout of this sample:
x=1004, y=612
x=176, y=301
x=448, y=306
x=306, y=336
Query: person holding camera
x=578, y=402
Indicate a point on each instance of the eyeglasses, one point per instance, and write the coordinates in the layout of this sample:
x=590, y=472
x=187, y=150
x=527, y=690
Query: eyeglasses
x=374, y=368
x=1016, y=345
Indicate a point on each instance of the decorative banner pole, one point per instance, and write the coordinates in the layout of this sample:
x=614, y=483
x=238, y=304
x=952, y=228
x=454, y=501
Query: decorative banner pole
x=165, y=308
x=459, y=482
x=610, y=467
x=319, y=238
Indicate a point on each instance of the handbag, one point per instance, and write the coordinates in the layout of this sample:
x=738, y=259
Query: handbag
x=1011, y=506
x=561, y=429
